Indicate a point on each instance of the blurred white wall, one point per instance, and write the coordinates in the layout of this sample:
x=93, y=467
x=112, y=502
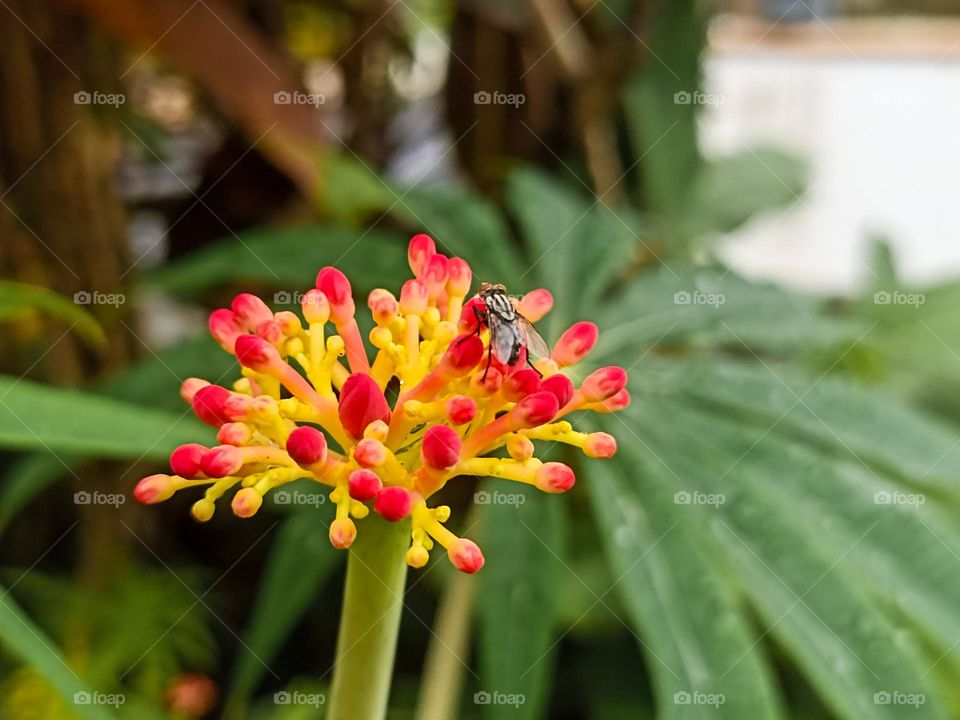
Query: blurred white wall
x=881, y=136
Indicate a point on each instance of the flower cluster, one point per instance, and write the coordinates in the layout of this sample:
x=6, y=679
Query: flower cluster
x=300, y=412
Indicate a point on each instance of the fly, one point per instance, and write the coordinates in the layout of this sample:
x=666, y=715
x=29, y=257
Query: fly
x=510, y=331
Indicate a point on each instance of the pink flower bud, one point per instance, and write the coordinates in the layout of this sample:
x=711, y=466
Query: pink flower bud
x=383, y=306
x=462, y=355
x=224, y=328
x=435, y=274
x=535, y=409
x=343, y=532
x=269, y=331
x=336, y=287
x=208, y=404
x=256, y=353
x=234, y=433
x=237, y=407
x=460, y=409
x=441, y=447
x=413, y=297
x=370, y=453
x=221, y=461
x=535, y=304
x=618, y=402
x=600, y=445
x=604, y=383
x=185, y=460
x=189, y=388
x=307, y=446
x=250, y=311
x=154, y=489
x=315, y=306
x=361, y=403
x=521, y=383
x=364, y=485
x=419, y=252
x=561, y=386
x=459, y=277
x=246, y=502
x=554, y=477
x=575, y=343
x=469, y=321
x=465, y=555
x=191, y=695
x=393, y=503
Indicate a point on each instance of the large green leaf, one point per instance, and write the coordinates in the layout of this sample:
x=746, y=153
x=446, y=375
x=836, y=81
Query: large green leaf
x=286, y=258
x=17, y=299
x=698, y=642
x=300, y=561
x=39, y=417
x=522, y=539
x=22, y=637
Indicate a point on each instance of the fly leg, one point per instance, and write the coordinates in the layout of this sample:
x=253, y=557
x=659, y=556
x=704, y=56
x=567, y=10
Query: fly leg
x=481, y=319
x=483, y=378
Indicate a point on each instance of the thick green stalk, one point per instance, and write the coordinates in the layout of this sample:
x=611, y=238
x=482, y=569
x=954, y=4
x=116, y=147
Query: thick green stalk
x=370, y=620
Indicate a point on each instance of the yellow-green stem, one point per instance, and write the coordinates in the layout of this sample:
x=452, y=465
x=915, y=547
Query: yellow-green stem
x=369, y=621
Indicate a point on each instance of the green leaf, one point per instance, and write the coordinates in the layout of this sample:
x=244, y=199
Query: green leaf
x=26, y=477
x=29, y=642
x=522, y=539
x=284, y=258
x=39, y=417
x=690, y=625
x=300, y=560
x=18, y=299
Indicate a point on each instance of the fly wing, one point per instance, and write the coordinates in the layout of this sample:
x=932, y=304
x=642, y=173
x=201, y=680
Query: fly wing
x=536, y=346
x=504, y=339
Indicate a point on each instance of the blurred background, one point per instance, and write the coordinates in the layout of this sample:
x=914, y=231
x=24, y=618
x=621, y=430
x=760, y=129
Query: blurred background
x=753, y=199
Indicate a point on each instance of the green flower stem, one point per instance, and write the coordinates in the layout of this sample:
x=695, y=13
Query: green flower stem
x=369, y=621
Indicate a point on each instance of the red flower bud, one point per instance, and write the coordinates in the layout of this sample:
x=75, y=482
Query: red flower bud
x=393, y=503
x=269, y=331
x=465, y=555
x=364, y=485
x=461, y=409
x=221, y=461
x=600, y=445
x=361, y=403
x=535, y=304
x=521, y=383
x=413, y=297
x=307, y=446
x=618, y=402
x=604, y=383
x=535, y=409
x=554, y=477
x=154, y=489
x=185, y=460
x=561, y=386
x=336, y=287
x=224, y=328
x=419, y=252
x=435, y=274
x=575, y=343
x=315, y=306
x=208, y=404
x=250, y=311
x=459, y=277
x=370, y=453
x=463, y=354
x=256, y=353
x=441, y=447
x=472, y=308
x=191, y=696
